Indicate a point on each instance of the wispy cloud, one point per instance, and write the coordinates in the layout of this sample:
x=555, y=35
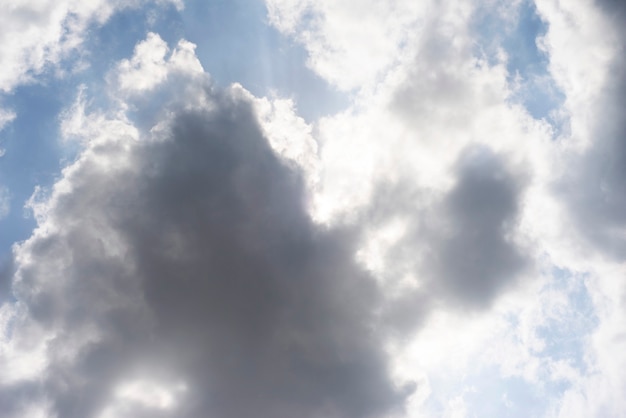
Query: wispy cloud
x=5, y=199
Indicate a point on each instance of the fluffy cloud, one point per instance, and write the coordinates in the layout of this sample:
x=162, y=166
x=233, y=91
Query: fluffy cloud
x=468, y=200
x=175, y=271
x=349, y=46
x=428, y=251
x=438, y=148
x=475, y=257
x=36, y=36
x=40, y=34
x=598, y=189
x=593, y=184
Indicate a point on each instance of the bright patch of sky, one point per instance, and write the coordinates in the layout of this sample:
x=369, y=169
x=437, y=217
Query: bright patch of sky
x=570, y=322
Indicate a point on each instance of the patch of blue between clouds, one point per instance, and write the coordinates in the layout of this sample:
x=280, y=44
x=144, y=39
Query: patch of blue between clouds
x=565, y=334
x=486, y=393
x=237, y=44
x=33, y=153
x=527, y=64
x=511, y=397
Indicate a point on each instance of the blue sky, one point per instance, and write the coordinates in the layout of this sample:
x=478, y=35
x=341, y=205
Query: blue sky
x=333, y=208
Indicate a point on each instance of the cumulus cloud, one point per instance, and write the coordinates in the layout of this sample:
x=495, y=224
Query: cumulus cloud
x=449, y=227
x=592, y=185
x=39, y=34
x=349, y=46
x=598, y=189
x=458, y=248
x=149, y=66
x=593, y=142
x=211, y=252
x=175, y=271
x=476, y=257
x=440, y=153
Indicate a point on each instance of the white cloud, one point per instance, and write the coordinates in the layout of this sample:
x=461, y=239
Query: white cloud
x=585, y=41
x=148, y=67
x=37, y=35
x=350, y=46
x=289, y=135
x=417, y=110
x=138, y=397
x=6, y=117
x=581, y=44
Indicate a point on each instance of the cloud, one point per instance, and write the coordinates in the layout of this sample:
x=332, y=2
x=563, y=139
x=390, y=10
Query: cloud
x=455, y=251
x=210, y=252
x=440, y=151
x=6, y=117
x=470, y=204
x=350, y=47
x=476, y=257
x=594, y=191
x=148, y=67
x=592, y=184
x=183, y=252
x=38, y=35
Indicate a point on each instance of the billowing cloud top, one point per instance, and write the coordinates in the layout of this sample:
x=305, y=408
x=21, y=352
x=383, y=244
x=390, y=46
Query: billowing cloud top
x=442, y=246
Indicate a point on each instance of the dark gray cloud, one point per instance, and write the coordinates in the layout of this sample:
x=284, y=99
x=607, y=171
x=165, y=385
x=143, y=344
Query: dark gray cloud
x=191, y=257
x=461, y=245
x=476, y=257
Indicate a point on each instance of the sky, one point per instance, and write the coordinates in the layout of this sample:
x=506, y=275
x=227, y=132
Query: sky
x=315, y=209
